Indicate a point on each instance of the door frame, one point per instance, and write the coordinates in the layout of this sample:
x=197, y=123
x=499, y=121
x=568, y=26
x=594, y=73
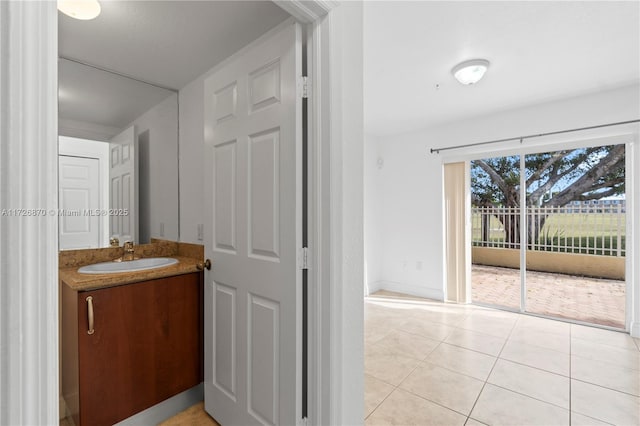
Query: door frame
x=335, y=169
x=29, y=384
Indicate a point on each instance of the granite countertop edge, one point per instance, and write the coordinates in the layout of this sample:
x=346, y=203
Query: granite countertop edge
x=84, y=282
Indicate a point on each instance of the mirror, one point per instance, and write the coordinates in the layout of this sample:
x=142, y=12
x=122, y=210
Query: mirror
x=118, y=152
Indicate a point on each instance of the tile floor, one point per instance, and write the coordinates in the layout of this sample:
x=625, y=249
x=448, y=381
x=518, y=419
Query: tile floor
x=192, y=416
x=430, y=363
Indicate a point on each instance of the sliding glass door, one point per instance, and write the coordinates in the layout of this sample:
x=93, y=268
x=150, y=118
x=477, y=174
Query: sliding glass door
x=549, y=233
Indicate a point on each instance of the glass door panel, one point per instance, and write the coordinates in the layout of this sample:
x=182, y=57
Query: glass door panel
x=575, y=248
x=495, y=212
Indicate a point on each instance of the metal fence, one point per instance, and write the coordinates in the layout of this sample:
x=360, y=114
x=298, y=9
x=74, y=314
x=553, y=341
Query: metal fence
x=587, y=229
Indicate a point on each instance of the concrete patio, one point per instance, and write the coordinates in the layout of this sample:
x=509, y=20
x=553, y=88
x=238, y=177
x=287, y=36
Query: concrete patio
x=591, y=300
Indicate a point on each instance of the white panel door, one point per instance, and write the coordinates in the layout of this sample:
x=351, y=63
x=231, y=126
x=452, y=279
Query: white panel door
x=253, y=219
x=123, y=186
x=79, y=195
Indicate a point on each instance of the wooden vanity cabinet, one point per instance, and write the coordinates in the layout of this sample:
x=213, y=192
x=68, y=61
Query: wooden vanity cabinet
x=147, y=346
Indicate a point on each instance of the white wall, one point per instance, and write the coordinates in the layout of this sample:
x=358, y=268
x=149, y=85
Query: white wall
x=373, y=225
x=192, y=159
x=347, y=214
x=412, y=212
x=161, y=122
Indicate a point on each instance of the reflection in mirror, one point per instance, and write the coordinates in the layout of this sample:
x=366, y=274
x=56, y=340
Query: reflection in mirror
x=118, y=158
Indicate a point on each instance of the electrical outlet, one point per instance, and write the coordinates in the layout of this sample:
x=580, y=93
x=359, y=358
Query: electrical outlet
x=200, y=232
x=162, y=229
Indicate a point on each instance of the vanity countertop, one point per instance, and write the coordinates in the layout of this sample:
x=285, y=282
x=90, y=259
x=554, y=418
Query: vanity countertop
x=83, y=282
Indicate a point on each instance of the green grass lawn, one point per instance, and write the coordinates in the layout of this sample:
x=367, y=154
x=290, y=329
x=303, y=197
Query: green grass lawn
x=582, y=233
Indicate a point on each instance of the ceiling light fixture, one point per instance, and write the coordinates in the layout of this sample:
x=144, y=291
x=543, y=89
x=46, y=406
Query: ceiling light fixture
x=80, y=9
x=470, y=72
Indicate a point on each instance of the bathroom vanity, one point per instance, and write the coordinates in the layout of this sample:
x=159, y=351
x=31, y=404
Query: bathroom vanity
x=129, y=340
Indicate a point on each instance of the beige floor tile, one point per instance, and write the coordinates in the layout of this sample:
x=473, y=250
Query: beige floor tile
x=374, y=332
x=496, y=314
x=606, y=374
x=441, y=317
x=387, y=312
x=394, y=321
x=373, y=309
x=494, y=326
x=604, y=404
x=194, y=415
x=603, y=337
x=539, y=384
x=542, y=338
x=490, y=345
x=407, y=344
x=582, y=420
x=445, y=387
x=473, y=422
x=375, y=391
x=404, y=408
x=388, y=367
x=497, y=406
x=535, y=356
x=626, y=358
x=429, y=329
x=530, y=322
x=462, y=360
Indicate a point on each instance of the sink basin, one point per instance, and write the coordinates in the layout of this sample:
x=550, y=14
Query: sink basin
x=130, y=266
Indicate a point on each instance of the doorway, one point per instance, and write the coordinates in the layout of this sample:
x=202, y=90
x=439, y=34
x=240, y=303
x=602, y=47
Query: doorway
x=549, y=233
x=83, y=193
x=79, y=193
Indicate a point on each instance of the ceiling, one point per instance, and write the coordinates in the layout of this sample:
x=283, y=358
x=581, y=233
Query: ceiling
x=90, y=95
x=539, y=51
x=167, y=43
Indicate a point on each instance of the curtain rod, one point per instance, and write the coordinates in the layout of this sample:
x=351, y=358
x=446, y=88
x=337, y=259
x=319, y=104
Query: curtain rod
x=521, y=138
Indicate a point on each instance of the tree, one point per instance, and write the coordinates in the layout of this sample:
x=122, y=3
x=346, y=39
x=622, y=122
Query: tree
x=552, y=179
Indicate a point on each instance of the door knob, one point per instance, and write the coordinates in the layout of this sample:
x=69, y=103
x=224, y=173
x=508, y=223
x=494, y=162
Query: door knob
x=205, y=264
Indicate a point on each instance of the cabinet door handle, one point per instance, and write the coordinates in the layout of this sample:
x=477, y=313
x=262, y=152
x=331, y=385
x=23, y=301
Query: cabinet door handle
x=90, y=314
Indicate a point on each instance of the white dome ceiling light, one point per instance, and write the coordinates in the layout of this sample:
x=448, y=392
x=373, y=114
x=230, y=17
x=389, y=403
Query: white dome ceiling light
x=470, y=72
x=80, y=9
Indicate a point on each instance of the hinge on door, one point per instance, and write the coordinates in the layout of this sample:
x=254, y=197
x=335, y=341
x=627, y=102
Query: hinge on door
x=304, y=258
x=305, y=87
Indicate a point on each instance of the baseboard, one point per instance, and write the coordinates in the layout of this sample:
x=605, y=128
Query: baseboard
x=412, y=290
x=167, y=408
x=373, y=286
x=635, y=329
